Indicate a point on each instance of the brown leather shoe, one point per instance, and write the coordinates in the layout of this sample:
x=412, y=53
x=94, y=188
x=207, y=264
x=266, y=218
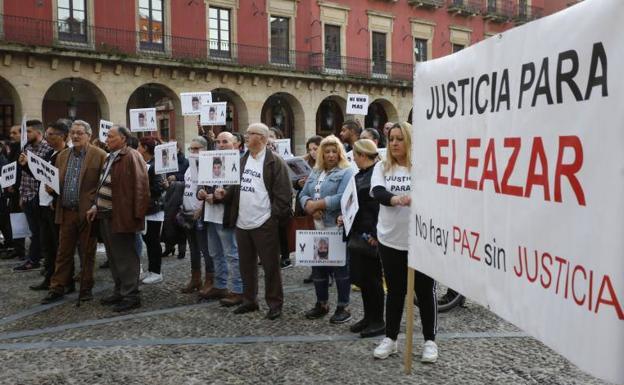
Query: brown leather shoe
x=232, y=299
x=194, y=284
x=208, y=282
x=214, y=293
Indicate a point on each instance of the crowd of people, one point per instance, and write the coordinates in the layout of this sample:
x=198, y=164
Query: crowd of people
x=110, y=193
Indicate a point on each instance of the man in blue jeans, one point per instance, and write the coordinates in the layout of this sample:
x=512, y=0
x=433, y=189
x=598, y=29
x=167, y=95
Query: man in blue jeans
x=221, y=238
x=29, y=191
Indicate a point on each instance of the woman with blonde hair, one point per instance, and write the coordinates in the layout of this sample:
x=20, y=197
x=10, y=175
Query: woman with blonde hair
x=320, y=197
x=390, y=186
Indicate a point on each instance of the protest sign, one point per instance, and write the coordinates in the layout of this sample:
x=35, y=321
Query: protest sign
x=349, y=205
x=298, y=168
x=23, y=133
x=282, y=147
x=320, y=248
x=517, y=189
x=166, y=158
x=219, y=167
x=143, y=120
x=193, y=166
x=105, y=126
x=19, y=226
x=213, y=114
x=192, y=102
x=357, y=104
x=43, y=171
x=8, y=177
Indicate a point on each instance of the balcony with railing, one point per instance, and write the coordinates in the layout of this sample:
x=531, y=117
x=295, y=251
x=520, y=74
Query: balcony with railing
x=525, y=12
x=125, y=43
x=432, y=4
x=498, y=11
x=464, y=7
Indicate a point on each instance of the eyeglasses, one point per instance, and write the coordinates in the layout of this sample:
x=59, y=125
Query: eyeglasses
x=195, y=148
x=247, y=134
x=77, y=133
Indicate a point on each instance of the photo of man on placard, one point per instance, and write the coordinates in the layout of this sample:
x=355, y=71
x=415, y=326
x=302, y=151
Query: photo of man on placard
x=321, y=248
x=195, y=103
x=142, y=122
x=165, y=158
x=217, y=167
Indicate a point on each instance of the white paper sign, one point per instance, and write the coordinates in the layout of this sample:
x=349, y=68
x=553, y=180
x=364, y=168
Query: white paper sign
x=518, y=185
x=213, y=114
x=193, y=166
x=105, y=126
x=357, y=104
x=43, y=171
x=349, y=205
x=219, y=167
x=298, y=168
x=23, y=133
x=282, y=147
x=19, y=226
x=382, y=153
x=9, y=175
x=143, y=120
x=320, y=248
x=192, y=102
x=166, y=158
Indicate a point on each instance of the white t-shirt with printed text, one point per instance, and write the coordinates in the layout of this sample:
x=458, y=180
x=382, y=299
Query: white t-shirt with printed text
x=254, y=205
x=189, y=200
x=393, y=223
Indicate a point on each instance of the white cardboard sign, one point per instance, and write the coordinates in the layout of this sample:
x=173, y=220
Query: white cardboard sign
x=357, y=104
x=349, y=205
x=43, y=171
x=19, y=226
x=9, y=175
x=166, y=158
x=213, y=114
x=282, y=147
x=105, y=126
x=219, y=167
x=192, y=102
x=320, y=248
x=143, y=120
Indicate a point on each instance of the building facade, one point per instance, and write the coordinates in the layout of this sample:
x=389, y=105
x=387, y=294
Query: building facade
x=287, y=63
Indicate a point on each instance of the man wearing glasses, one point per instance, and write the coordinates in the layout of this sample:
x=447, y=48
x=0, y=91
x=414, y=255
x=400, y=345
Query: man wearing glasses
x=79, y=172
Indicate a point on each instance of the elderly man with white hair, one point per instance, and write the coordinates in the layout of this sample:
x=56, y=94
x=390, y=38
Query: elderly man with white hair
x=257, y=204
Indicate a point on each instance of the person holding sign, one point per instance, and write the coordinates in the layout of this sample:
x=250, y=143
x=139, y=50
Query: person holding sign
x=390, y=186
x=320, y=197
x=364, y=263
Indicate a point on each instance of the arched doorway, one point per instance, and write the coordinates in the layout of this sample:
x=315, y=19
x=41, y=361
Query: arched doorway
x=277, y=112
x=166, y=102
x=75, y=98
x=380, y=111
x=10, y=108
x=236, y=119
x=330, y=116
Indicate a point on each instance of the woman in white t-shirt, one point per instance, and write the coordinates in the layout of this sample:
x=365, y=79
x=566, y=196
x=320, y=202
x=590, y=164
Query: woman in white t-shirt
x=390, y=185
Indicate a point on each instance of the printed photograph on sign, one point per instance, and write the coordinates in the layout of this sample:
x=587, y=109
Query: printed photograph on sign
x=282, y=148
x=105, y=126
x=192, y=102
x=298, y=168
x=349, y=205
x=357, y=104
x=143, y=120
x=213, y=114
x=8, y=177
x=219, y=167
x=320, y=248
x=166, y=158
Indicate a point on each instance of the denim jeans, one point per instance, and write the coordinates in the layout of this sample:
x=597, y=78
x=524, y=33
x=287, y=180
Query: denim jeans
x=224, y=253
x=198, y=245
x=320, y=275
x=31, y=210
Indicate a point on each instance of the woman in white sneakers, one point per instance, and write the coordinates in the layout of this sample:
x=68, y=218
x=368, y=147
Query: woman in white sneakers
x=390, y=185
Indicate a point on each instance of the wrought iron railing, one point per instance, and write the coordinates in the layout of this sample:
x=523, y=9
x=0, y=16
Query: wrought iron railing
x=50, y=33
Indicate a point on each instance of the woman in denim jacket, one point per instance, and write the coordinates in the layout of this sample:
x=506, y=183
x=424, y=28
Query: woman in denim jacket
x=320, y=198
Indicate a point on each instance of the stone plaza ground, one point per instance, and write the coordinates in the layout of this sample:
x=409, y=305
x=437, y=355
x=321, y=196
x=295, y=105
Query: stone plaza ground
x=173, y=339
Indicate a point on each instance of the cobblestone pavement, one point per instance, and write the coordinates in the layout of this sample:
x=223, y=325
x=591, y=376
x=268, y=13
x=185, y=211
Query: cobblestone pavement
x=174, y=340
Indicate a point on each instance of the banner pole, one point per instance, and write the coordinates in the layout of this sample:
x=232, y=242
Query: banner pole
x=409, y=321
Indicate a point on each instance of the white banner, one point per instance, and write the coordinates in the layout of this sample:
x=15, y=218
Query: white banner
x=192, y=102
x=357, y=104
x=43, y=171
x=19, y=226
x=8, y=177
x=349, y=205
x=143, y=120
x=219, y=167
x=517, y=179
x=213, y=114
x=166, y=158
x=105, y=126
x=320, y=248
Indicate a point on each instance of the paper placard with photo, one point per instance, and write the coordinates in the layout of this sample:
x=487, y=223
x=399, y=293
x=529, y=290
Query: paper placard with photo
x=219, y=167
x=19, y=226
x=213, y=114
x=8, y=177
x=193, y=165
x=298, y=168
x=43, y=171
x=105, y=126
x=349, y=205
x=357, y=104
x=320, y=248
x=282, y=147
x=192, y=102
x=166, y=158
x=143, y=120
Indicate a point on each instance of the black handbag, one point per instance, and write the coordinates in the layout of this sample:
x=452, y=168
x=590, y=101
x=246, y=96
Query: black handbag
x=359, y=247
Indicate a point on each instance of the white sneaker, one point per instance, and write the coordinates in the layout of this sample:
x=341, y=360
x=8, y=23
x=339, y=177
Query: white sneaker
x=153, y=278
x=430, y=352
x=386, y=348
x=143, y=274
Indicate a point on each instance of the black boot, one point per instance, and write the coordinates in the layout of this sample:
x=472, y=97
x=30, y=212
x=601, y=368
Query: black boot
x=44, y=285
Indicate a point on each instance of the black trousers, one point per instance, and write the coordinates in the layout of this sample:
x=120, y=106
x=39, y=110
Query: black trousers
x=366, y=273
x=395, y=270
x=5, y=227
x=283, y=239
x=49, y=239
x=154, y=249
